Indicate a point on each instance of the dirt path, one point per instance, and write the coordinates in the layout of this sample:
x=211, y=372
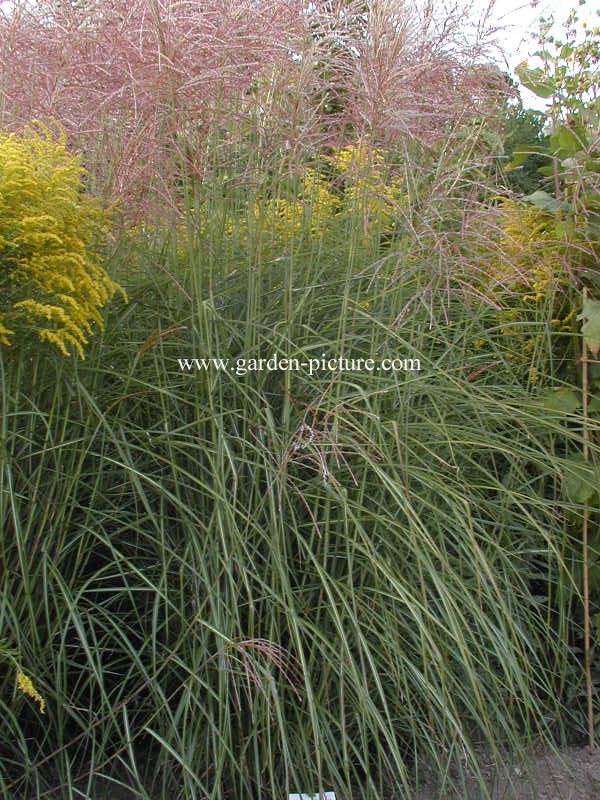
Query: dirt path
x=571, y=774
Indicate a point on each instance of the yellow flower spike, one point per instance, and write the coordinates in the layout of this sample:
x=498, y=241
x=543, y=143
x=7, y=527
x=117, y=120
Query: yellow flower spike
x=25, y=685
x=4, y=333
x=48, y=230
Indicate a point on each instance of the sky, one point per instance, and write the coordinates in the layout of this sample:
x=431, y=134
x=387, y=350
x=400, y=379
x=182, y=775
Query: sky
x=520, y=20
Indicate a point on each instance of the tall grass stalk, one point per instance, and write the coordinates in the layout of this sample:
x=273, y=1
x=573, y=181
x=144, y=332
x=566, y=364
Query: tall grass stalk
x=233, y=586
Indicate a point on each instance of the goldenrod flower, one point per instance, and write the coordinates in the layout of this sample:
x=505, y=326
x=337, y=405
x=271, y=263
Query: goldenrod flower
x=52, y=281
x=4, y=333
x=25, y=684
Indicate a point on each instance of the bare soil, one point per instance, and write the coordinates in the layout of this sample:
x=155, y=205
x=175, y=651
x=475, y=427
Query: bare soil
x=570, y=774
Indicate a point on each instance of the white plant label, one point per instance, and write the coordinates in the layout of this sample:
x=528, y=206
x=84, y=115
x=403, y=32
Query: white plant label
x=326, y=796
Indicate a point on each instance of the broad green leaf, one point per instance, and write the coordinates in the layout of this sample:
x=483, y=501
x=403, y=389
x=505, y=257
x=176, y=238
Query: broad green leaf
x=590, y=315
x=536, y=81
x=568, y=140
x=520, y=156
x=580, y=480
x=594, y=405
x=545, y=201
x=562, y=401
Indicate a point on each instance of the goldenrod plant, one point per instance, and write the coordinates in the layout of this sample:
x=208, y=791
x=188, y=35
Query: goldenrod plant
x=369, y=188
x=351, y=182
x=522, y=269
x=24, y=682
x=51, y=275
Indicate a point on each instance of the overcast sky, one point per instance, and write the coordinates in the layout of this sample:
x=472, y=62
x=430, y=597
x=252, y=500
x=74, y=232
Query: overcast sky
x=520, y=20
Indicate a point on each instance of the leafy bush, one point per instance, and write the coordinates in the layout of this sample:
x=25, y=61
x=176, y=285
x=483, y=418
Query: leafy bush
x=51, y=276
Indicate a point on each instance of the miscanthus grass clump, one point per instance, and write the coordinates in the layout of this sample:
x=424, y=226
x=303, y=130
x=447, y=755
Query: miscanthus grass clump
x=52, y=281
